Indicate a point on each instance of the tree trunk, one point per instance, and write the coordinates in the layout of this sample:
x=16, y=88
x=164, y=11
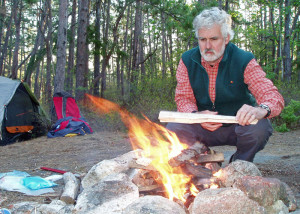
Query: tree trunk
x=59, y=78
x=163, y=38
x=124, y=50
x=5, y=45
x=97, y=48
x=33, y=58
x=70, y=70
x=41, y=39
x=17, y=7
x=137, y=33
x=287, y=61
x=105, y=57
x=81, y=69
x=2, y=19
x=48, y=89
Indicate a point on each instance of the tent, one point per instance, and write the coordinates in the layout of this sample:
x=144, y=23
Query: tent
x=21, y=116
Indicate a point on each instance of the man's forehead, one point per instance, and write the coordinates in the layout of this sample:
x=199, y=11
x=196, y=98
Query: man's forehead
x=214, y=31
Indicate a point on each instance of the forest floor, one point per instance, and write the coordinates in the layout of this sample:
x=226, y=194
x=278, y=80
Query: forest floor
x=280, y=158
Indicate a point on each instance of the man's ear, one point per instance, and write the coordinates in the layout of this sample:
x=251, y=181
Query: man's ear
x=227, y=39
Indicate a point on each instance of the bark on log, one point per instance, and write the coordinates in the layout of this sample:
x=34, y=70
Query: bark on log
x=210, y=158
x=71, y=188
x=197, y=170
x=185, y=155
x=189, y=118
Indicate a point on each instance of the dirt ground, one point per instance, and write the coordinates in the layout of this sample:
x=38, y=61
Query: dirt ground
x=280, y=159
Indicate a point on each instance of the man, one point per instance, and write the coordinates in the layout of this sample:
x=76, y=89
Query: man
x=219, y=78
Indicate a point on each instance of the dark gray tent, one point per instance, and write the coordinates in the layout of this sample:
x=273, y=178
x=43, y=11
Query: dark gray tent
x=21, y=116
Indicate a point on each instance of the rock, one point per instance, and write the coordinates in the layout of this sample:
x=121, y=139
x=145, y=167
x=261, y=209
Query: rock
x=290, y=201
x=224, y=200
x=277, y=208
x=237, y=169
x=106, y=168
x=263, y=190
x=154, y=205
x=110, y=196
x=54, y=209
x=24, y=207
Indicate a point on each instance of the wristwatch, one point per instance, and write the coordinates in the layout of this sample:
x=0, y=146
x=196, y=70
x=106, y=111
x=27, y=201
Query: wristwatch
x=264, y=106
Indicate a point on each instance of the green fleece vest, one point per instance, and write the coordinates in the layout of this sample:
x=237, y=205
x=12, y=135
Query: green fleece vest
x=231, y=91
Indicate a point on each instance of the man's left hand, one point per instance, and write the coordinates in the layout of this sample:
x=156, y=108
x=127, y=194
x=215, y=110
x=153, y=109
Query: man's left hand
x=246, y=114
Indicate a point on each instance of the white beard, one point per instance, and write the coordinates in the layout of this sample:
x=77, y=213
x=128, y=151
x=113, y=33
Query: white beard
x=212, y=57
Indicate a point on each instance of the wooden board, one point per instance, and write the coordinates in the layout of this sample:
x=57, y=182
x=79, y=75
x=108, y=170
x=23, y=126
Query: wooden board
x=190, y=118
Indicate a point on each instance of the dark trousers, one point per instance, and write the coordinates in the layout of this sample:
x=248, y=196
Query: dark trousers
x=248, y=139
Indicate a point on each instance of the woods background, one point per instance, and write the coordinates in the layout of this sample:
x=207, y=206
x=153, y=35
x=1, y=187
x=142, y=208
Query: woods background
x=127, y=51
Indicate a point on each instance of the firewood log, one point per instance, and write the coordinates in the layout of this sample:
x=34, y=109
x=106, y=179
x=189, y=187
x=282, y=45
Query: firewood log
x=71, y=188
x=189, y=118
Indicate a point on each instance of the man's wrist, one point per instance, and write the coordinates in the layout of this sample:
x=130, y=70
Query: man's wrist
x=266, y=107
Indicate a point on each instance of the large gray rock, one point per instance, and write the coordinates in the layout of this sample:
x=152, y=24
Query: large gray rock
x=106, y=168
x=110, y=196
x=55, y=207
x=277, y=208
x=291, y=201
x=263, y=190
x=237, y=169
x=226, y=201
x=24, y=207
x=154, y=205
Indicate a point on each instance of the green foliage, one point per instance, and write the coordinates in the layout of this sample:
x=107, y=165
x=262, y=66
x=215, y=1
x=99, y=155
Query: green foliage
x=149, y=97
x=289, y=117
x=282, y=128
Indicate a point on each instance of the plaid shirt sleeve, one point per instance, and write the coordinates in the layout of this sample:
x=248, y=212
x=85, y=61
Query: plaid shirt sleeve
x=184, y=95
x=262, y=88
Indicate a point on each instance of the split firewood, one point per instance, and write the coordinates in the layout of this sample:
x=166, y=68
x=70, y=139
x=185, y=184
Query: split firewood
x=185, y=155
x=210, y=158
x=189, y=118
x=71, y=188
x=149, y=188
x=214, y=167
x=197, y=170
x=135, y=165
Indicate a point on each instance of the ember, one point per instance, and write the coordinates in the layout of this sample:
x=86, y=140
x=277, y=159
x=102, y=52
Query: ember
x=180, y=167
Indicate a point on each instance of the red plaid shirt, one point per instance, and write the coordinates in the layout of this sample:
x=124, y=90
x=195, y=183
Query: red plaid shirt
x=260, y=87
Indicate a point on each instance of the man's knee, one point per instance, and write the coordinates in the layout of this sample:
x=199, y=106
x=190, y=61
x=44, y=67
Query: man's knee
x=255, y=135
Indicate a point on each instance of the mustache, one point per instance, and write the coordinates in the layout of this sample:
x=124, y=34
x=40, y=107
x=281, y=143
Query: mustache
x=209, y=50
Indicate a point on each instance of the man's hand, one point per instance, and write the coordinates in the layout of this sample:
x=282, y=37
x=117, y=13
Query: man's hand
x=246, y=114
x=209, y=125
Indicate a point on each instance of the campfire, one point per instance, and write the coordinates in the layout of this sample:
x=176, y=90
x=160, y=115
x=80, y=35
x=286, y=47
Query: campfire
x=163, y=175
x=173, y=169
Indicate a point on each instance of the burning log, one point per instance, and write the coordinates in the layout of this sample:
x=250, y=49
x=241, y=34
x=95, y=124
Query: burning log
x=186, y=155
x=210, y=158
x=179, y=117
x=189, y=155
x=133, y=164
x=149, y=188
x=197, y=170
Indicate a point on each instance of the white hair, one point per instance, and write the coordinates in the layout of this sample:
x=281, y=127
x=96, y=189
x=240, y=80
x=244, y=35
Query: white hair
x=209, y=17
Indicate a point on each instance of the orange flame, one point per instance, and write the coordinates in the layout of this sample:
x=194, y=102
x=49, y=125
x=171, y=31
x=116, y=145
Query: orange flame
x=157, y=142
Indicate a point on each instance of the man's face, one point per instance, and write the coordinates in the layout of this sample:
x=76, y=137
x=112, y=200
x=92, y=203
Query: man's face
x=212, y=43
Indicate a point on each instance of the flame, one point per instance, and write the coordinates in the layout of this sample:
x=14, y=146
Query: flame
x=157, y=143
x=214, y=186
x=194, y=190
x=218, y=173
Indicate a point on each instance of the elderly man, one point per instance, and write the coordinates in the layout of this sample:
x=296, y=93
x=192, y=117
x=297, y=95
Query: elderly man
x=219, y=78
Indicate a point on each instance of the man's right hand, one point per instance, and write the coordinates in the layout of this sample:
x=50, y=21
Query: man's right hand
x=209, y=125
